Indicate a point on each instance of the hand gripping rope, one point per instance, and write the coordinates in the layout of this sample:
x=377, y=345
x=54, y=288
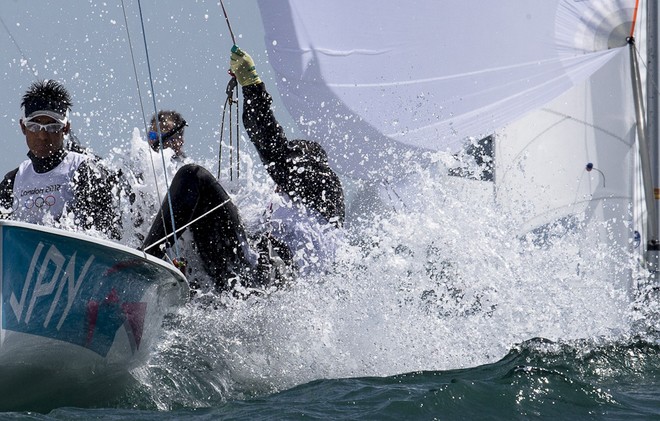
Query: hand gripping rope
x=230, y=101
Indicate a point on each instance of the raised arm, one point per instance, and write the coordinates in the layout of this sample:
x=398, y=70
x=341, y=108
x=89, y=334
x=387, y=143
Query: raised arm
x=299, y=167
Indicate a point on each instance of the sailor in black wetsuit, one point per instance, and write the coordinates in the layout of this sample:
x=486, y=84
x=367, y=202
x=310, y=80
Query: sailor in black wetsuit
x=55, y=180
x=303, y=231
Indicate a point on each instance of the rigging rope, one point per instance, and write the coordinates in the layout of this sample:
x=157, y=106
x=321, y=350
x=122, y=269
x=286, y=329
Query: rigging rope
x=238, y=138
x=137, y=82
x=230, y=101
x=186, y=225
x=137, y=87
x=23, y=56
x=162, y=154
x=634, y=21
x=231, y=87
x=222, y=4
x=638, y=53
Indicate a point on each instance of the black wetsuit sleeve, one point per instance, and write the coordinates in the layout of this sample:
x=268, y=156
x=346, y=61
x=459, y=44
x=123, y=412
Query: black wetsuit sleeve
x=300, y=171
x=7, y=192
x=95, y=199
x=263, y=129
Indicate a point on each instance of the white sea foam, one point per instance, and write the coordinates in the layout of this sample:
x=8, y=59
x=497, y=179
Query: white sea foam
x=435, y=279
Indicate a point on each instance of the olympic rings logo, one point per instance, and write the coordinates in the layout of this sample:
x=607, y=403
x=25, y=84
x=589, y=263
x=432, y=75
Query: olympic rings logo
x=40, y=202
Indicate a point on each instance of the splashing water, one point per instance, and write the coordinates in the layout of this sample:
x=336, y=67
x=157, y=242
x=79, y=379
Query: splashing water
x=434, y=279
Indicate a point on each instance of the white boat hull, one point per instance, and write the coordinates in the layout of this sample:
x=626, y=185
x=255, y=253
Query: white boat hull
x=76, y=308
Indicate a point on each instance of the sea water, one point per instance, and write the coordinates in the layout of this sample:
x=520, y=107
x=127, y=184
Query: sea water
x=437, y=308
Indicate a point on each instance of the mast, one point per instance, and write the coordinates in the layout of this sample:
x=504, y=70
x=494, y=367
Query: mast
x=652, y=115
x=647, y=135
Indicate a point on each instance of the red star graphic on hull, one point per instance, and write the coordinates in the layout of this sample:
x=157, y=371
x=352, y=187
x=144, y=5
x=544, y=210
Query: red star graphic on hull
x=114, y=314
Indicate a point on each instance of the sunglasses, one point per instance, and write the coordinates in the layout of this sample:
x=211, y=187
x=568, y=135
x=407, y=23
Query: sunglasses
x=35, y=127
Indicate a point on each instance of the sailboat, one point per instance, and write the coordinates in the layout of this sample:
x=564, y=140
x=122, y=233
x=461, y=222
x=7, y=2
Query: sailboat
x=76, y=312
x=554, y=87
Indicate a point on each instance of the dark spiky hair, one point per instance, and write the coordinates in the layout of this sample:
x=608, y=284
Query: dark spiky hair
x=46, y=95
x=164, y=115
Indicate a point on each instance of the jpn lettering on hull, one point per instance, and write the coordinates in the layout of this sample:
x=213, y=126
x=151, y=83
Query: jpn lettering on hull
x=48, y=283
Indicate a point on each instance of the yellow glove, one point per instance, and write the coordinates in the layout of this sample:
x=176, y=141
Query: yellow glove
x=242, y=66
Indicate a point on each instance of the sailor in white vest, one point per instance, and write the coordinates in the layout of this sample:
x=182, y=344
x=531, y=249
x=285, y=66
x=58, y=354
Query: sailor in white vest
x=56, y=183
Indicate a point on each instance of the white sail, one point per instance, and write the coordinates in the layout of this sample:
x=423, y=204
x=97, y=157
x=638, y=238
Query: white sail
x=381, y=84
x=573, y=155
x=379, y=80
x=568, y=167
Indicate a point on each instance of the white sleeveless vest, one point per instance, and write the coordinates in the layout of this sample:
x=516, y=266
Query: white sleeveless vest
x=39, y=195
